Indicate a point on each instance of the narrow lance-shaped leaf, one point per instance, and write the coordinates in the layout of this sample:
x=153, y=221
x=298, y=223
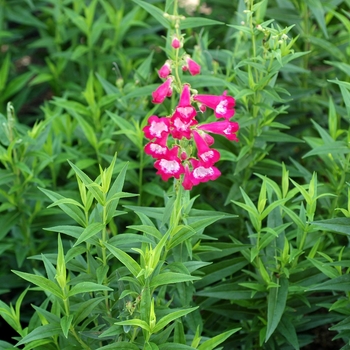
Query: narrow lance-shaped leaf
x=87, y=287
x=171, y=277
x=213, y=342
x=171, y=317
x=341, y=283
x=276, y=304
x=89, y=231
x=155, y=12
x=41, y=332
x=135, y=322
x=70, y=209
x=93, y=187
x=341, y=225
x=125, y=259
x=41, y=282
x=66, y=321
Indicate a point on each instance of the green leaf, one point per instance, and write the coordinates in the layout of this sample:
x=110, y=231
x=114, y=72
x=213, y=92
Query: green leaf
x=194, y=227
x=148, y=230
x=125, y=259
x=155, y=12
x=88, y=130
x=171, y=277
x=329, y=271
x=340, y=225
x=15, y=85
x=85, y=308
x=4, y=71
x=220, y=270
x=66, y=321
x=213, y=342
x=175, y=346
x=93, y=187
x=228, y=291
x=118, y=183
x=73, y=231
x=344, y=88
x=120, y=345
x=144, y=70
x=87, y=287
x=336, y=147
x=287, y=329
x=78, y=20
x=7, y=221
x=41, y=282
x=89, y=231
x=135, y=322
x=22, y=15
x=341, y=283
x=41, y=332
x=150, y=346
x=127, y=128
x=276, y=303
x=171, y=317
x=319, y=13
x=72, y=210
x=6, y=346
x=193, y=22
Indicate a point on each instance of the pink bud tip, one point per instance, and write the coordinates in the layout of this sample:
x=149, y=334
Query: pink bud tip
x=176, y=44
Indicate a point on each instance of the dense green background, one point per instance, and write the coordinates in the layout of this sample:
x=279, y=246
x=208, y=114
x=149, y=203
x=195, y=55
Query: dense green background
x=75, y=84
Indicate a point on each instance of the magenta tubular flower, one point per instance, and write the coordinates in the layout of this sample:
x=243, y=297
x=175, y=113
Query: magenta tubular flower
x=161, y=92
x=193, y=67
x=158, y=149
x=225, y=128
x=156, y=128
x=175, y=43
x=165, y=70
x=223, y=105
x=180, y=128
x=207, y=155
x=187, y=182
x=202, y=173
x=170, y=166
x=185, y=110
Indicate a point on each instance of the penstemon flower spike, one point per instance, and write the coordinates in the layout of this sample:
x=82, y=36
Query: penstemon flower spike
x=181, y=146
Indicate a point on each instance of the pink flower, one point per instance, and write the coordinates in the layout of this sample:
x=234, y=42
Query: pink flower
x=193, y=67
x=165, y=70
x=156, y=128
x=225, y=128
x=207, y=155
x=223, y=105
x=187, y=183
x=180, y=128
x=162, y=92
x=158, y=149
x=170, y=166
x=185, y=110
x=203, y=173
x=176, y=44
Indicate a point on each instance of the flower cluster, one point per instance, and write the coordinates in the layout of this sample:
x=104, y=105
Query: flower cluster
x=189, y=155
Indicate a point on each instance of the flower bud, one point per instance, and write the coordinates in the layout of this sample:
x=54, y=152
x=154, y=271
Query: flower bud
x=176, y=44
x=165, y=70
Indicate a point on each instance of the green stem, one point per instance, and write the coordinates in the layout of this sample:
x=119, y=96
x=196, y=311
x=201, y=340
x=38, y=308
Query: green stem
x=104, y=256
x=139, y=200
x=80, y=341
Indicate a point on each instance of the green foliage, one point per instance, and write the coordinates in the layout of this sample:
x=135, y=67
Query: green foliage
x=117, y=259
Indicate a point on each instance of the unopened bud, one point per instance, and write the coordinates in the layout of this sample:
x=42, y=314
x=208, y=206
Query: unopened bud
x=176, y=44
